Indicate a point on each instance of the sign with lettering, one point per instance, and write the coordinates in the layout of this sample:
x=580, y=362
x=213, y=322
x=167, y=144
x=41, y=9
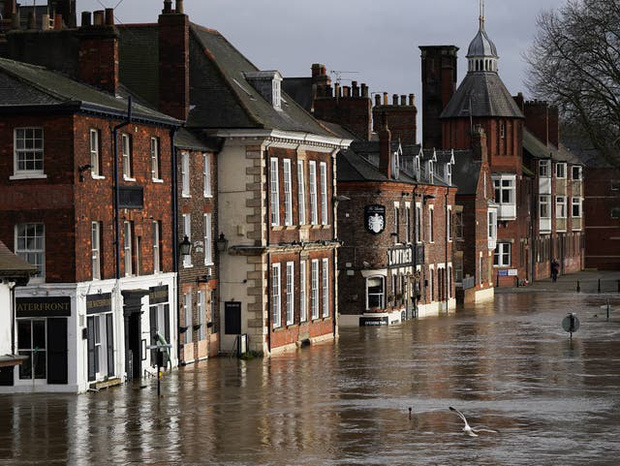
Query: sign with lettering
x=400, y=257
x=158, y=294
x=374, y=218
x=49, y=306
x=502, y=273
x=367, y=321
x=98, y=303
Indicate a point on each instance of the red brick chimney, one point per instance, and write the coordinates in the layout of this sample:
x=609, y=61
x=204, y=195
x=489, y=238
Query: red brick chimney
x=98, y=54
x=385, y=148
x=543, y=121
x=402, y=114
x=479, y=144
x=174, y=61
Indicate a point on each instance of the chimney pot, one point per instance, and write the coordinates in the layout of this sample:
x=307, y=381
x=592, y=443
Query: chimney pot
x=45, y=22
x=395, y=99
x=355, y=89
x=412, y=100
x=180, y=8
x=86, y=18
x=364, y=90
x=58, y=21
x=99, y=18
x=346, y=91
x=377, y=100
x=385, y=98
x=403, y=100
x=109, y=16
x=337, y=91
x=167, y=7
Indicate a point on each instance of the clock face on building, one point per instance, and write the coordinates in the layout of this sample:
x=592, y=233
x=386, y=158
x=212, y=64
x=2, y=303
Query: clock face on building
x=374, y=218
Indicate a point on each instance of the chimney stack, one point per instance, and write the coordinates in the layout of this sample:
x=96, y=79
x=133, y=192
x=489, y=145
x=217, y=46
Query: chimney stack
x=174, y=61
x=385, y=148
x=98, y=55
x=479, y=144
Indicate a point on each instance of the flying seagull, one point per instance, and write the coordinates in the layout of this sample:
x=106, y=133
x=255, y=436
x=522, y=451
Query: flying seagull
x=471, y=431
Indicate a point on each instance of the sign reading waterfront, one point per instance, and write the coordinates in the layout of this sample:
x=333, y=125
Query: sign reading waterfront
x=49, y=306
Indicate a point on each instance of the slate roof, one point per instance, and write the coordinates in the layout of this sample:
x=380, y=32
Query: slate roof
x=466, y=172
x=300, y=89
x=12, y=265
x=538, y=149
x=23, y=85
x=481, y=45
x=489, y=98
x=186, y=139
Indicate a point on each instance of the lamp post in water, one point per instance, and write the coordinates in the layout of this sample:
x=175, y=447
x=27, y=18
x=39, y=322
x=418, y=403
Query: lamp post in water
x=570, y=323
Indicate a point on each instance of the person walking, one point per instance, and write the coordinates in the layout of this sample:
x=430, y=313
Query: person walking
x=555, y=269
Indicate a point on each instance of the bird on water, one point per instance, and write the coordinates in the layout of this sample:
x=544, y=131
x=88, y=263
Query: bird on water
x=471, y=431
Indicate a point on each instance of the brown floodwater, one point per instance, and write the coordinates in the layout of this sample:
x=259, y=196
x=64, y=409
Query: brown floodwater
x=507, y=365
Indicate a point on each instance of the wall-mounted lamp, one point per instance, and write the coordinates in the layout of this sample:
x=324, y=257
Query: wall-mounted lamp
x=185, y=247
x=222, y=243
x=82, y=169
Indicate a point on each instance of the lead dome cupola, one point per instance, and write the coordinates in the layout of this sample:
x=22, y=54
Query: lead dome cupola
x=482, y=53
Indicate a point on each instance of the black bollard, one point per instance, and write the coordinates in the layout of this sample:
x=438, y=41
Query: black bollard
x=578, y=287
x=599, y=285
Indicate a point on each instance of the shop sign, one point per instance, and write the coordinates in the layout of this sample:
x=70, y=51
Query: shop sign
x=374, y=321
x=98, y=303
x=400, y=257
x=158, y=294
x=374, y=218
x=49, y=306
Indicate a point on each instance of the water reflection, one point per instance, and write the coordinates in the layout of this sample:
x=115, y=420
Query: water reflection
x=508, y=365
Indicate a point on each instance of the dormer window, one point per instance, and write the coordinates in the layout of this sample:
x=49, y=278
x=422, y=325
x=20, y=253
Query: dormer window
x=268, y=84
x=449, y=173
x=430, y=171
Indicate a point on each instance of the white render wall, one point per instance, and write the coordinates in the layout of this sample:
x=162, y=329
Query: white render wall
x=5, y=319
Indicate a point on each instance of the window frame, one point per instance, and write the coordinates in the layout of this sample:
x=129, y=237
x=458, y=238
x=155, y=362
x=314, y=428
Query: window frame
x=314, y=289
x=276, y=296
x=324, y=192
x=25, y=253
x=95, y=250
x=303, y=292
x=128, y=247
x=288, y=192
x=94, y=142
x=314, y=214
x=157, y=252
x=560, y=207
x=301, y=193
x=290, y=293
x=381, y=295
x=185, y=175
x=206, y=176
x=499, y=255
x=37, y=154
x=274, y=192
x=560, y=170
x=577, y=202
x=127, y=156
x=325, y=288
x=208, y=238
x=156, y=159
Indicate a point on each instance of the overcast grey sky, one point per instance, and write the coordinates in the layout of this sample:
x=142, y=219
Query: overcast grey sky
x=377, y=39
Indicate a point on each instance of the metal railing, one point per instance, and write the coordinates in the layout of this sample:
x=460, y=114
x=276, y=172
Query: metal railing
x=469, y=282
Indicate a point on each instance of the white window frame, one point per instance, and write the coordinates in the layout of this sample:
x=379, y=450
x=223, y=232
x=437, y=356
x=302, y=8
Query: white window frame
x=187, y=231
x=206, y=176
x=185, y=175
x=577, y=202
x=449, y=224
x=577, y=169
x=418, y=223
x=560, y=170
x=301, y=193
x=314, y=289
x=431, y=222
x=560, y=206
x=408, y=223
x=189, y=321
x=274, y=192
x=544, y=204
x=380, y=295
x=502, y=255
x=126, y=151
x=314, y=214
x=492, y=225
x=325, y=287
x=34, y=137
x=324, y=204
x=128, y=247
x=290, y=293
x=31, y=248
x=208, y=239
x=201, y=304
x=155, y=159
x=544, y=168
x=504, y=185
x=449, y=173
x=94, y=142
x=156, y=246
x=95, y=249
x=276, y=302
x=288, y=192
x=303, y=292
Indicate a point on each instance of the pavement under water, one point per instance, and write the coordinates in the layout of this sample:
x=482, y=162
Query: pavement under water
x=506, y=364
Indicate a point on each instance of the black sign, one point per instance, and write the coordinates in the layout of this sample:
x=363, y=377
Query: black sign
x=158, y=294
x=373, y=321
x=374, y=218
x=232, y=318
x=98, y=303
x=400, y=257
x=50, y=306
x=131, y=197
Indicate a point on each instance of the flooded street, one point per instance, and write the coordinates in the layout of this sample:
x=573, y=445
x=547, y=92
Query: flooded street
x=507, y=365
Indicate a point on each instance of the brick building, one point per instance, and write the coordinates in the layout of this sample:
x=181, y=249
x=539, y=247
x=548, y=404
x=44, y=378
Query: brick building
x=276, y=236
x=517, y=138
x=106, y=276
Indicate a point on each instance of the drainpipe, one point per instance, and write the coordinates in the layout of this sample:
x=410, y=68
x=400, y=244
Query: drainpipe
x=446, y=280
x=175, y=226
x=117, y=234
x=269, y=285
